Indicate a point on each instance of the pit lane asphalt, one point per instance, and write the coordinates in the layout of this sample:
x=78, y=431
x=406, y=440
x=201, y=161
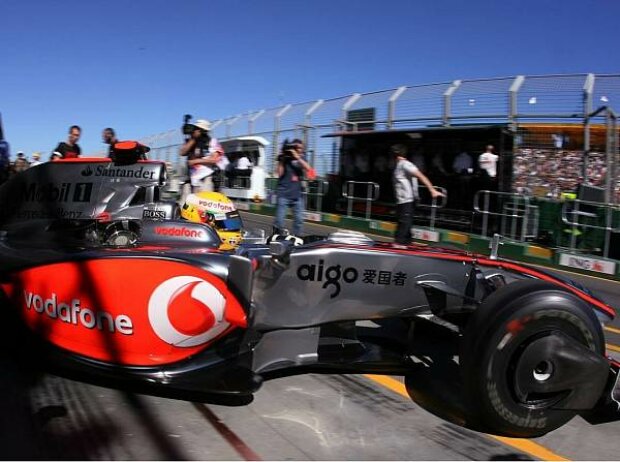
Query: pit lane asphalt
x=303, y=417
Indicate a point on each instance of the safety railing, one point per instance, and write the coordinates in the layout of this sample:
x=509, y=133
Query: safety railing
x=515, y=213
x=315, y=190
x=370, y=191
x=591, y=215
x=434, y=205
x=239, y=179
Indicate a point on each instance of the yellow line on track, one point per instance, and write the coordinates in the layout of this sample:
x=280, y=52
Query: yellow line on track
x=613, y=347
x=612, y=329
x=523, y=445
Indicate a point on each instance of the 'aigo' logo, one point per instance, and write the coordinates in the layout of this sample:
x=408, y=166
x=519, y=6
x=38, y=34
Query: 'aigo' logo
x=330, y=276
x=186, y=311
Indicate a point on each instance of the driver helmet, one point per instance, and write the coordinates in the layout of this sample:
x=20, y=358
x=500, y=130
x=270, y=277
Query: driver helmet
x=217, y=211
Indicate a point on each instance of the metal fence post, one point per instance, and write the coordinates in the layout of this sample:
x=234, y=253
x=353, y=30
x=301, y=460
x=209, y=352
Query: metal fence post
x=276, y=134
x=308, y=121
x=608, y=229
x=588, y=90
x=616, y=146
x=252, y=119
x=349, y=199
x=369, y=187
x=610, y=157
x=229, y=125
x=347, y=105
x=392, y=106
x=447, y=102
x=485, y=216
x=512, y=105
x=524, y=223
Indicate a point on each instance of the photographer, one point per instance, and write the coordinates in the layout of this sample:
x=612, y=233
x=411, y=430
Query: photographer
x=203, y=154
x=291, y=169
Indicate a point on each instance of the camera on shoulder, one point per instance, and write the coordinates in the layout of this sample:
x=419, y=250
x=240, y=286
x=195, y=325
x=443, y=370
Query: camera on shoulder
x=288, y=149
x=187, y=128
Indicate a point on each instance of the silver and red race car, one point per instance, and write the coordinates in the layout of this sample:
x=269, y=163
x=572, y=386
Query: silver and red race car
x=163, y=310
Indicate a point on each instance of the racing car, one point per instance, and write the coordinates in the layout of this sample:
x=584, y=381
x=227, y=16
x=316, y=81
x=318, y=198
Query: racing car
x=171, y=312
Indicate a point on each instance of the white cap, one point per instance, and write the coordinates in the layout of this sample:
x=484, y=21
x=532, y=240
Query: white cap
x=203, y=124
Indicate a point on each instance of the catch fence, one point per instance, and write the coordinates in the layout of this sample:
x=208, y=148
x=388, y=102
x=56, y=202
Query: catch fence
x=517, y=101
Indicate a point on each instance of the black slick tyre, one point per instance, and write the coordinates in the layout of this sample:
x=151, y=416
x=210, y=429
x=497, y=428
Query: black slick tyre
x=507, y=357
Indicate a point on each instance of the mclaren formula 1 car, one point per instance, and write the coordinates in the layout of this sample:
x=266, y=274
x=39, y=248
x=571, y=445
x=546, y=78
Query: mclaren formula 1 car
x=169, y=312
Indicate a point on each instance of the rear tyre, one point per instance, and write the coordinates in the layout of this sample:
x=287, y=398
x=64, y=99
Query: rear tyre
x=515, y=383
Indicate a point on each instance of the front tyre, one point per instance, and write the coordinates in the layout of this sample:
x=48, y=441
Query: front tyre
x=531, y=358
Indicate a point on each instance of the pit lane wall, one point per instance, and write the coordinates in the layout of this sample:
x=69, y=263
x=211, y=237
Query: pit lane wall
x=520, y=251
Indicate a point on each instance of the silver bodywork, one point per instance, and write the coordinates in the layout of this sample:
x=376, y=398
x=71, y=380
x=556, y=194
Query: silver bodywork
x=86, y=189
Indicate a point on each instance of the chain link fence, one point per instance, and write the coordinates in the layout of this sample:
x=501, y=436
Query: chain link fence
x=518, y=101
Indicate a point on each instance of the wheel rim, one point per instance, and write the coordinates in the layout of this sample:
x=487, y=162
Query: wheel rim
x=543, y=371
x=531, y=380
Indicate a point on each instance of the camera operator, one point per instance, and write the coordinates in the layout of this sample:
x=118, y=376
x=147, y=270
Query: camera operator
x=291, y=169
x=203, y=155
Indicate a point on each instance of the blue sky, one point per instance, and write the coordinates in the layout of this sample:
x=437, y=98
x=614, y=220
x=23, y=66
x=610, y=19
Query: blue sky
x=139, y=65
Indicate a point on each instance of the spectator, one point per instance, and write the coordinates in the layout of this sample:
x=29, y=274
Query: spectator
x=109, y=137
x=463, y=163
x=488, y=161
x=243, y=163
x=550, y=172
x=406, y=176
x=5, y=161
x=21, y=163
x=36, y=159
x=70, y=149
x=291, y=169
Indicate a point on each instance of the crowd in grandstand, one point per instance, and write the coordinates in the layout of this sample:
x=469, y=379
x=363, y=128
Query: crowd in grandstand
x=551, y=172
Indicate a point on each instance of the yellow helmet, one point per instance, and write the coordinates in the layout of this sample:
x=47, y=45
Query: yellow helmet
x=218, y=211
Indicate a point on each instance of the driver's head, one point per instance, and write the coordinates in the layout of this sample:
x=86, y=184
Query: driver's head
x=211, y=208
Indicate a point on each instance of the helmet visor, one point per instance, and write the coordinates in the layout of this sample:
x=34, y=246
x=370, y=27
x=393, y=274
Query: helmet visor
x=232, y=222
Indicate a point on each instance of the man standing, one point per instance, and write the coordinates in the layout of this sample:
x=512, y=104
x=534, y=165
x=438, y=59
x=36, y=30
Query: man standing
x=291, y=169
x=108, y=136
x=406, y=176
x=488, y=161
x=21, y=163
x=70, y=149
